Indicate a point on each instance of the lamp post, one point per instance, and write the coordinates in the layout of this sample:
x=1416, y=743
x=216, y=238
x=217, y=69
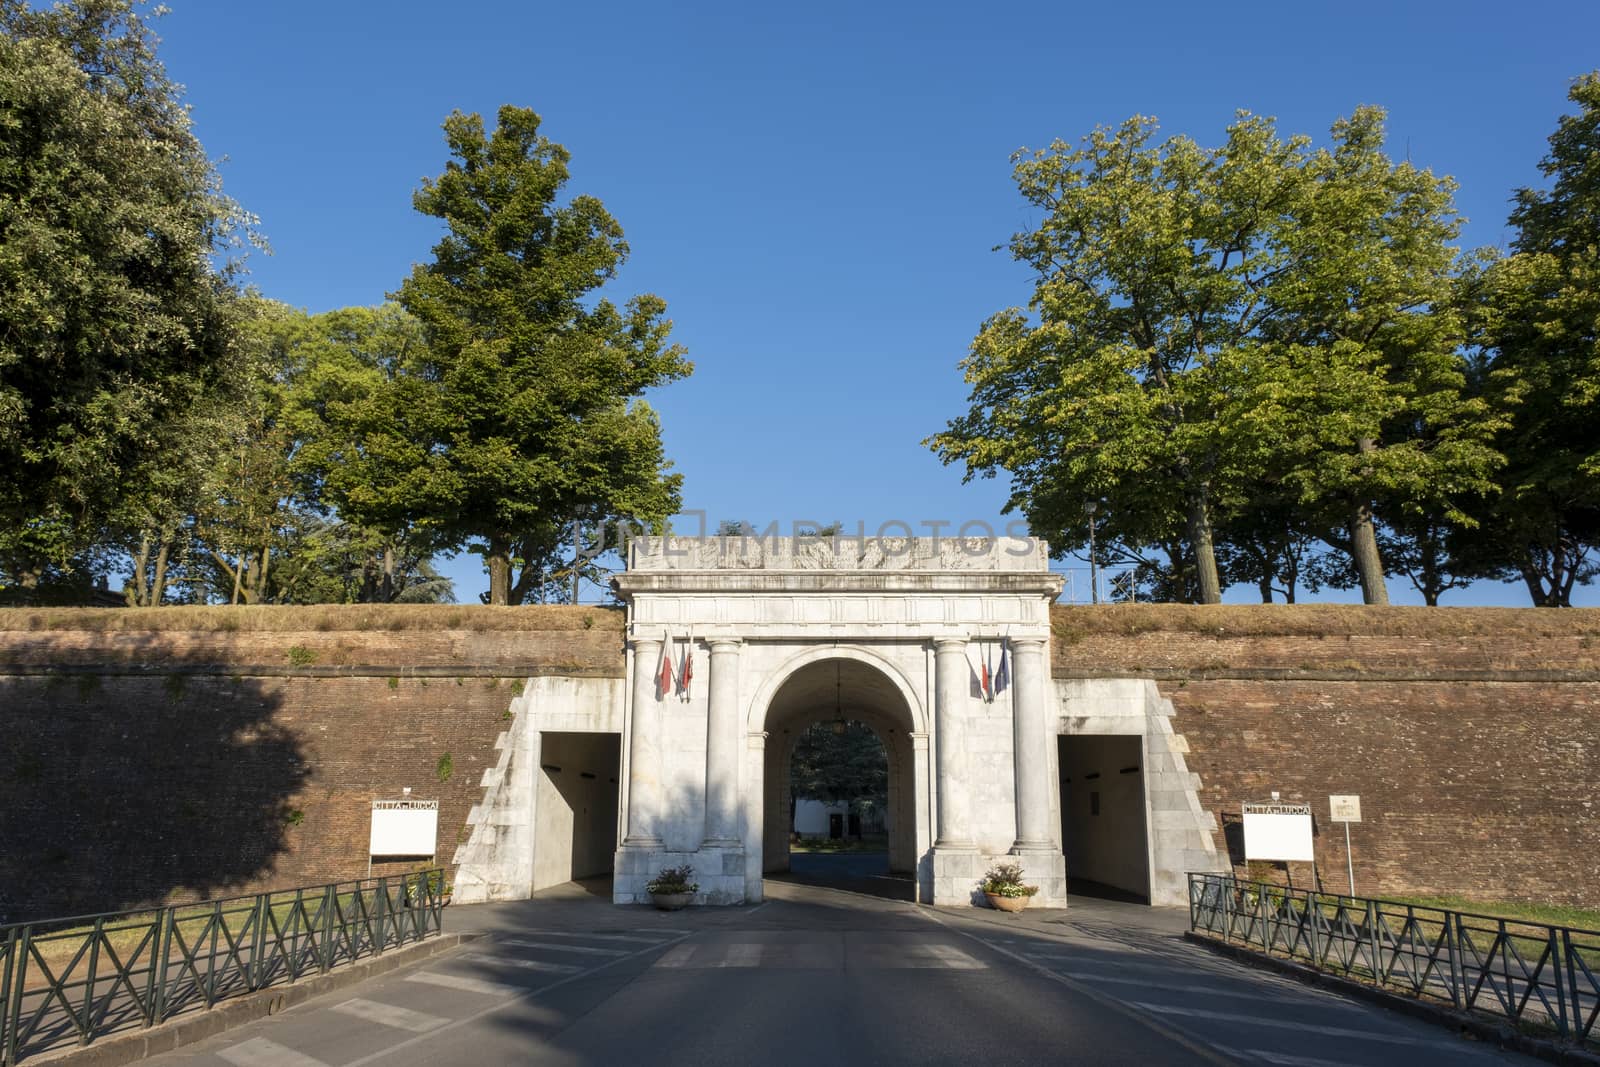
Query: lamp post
x=1094, y=570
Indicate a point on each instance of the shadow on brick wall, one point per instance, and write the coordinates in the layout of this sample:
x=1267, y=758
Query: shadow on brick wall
x=119, y=792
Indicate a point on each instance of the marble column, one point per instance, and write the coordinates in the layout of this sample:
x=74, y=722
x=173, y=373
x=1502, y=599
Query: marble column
x=1029, y=740
x=644, y=749
x=722, y=746
x=951, y=674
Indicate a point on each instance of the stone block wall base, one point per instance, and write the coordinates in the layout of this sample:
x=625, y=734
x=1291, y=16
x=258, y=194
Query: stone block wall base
x=718, y=870
x=1045, y=868
x=958, y=876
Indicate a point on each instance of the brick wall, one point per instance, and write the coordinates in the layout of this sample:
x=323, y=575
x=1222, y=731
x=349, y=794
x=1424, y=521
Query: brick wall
x=1471, y=735
x=163, y=764
x=177, y=753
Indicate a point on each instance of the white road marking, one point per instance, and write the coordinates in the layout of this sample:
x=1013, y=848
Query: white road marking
x=953, y=957
x=742, y=955
x=515, y=961
x=1285, y=1060
x=389, y=1015
x=469, y=985
x=259, y=1052
x=1286, y=1024
x=677, y=956
x=1204, y=990
x=666, y=935
x=586, y=949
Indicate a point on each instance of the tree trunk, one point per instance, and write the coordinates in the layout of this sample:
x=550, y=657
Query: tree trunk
x=1264, y=584
x=1205, y=556
x=499, y=560
x=158, y=584
x=134, y=592
x=386, y=592
x=1364, y=552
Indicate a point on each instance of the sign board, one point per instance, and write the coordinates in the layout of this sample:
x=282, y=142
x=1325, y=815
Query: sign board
x=1280, y=832
x=404, y=828
x=1344, y=808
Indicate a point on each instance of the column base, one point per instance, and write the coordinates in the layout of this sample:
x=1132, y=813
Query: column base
x=718, y=870
x=1043, y=865
x=957, y=872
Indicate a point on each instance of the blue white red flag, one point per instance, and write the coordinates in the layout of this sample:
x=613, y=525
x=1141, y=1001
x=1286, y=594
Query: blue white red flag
x=1002, y=674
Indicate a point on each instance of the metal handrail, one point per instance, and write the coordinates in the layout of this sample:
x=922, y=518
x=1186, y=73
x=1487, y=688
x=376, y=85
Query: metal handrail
x=1542, y=975
x=73, y=980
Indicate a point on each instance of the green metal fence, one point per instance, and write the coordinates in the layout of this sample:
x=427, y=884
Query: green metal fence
x=1532, y=973
x=70, y=981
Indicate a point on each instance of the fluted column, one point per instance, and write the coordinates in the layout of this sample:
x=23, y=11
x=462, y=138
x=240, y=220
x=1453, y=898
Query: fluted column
x=722, y=745
x=1028, y=739
x=951, y=683
x=644, y=749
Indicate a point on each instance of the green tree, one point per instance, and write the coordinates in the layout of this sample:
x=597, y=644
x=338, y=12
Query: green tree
x=116, y=304
x=849, y=767
x=1538, y=317
x=1219, y=334
x=532, y=386
x=1358, y=395
x=1149, y=261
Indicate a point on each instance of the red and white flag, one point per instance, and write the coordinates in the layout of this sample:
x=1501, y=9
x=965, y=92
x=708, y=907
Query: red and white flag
x=664, y=673
x=686, y=668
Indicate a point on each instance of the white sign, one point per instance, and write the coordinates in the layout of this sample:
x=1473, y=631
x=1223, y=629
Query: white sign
x=1280, y=832
x=404, y=828
x=1344, y=808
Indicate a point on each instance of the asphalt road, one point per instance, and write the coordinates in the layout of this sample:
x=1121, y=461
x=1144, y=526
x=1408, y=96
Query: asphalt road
x=816, y=976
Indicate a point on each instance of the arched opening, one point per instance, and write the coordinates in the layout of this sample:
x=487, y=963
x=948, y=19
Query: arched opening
x=829, y=710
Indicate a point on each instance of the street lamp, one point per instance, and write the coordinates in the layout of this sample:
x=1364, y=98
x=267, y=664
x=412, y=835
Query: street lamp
x=1094, y=570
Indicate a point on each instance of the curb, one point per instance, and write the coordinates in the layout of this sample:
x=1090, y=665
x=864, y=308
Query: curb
x=1501, y=1033
x=119, y=1049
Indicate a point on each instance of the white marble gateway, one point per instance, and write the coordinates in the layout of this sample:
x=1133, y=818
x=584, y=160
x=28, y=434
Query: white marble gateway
x=781, y=633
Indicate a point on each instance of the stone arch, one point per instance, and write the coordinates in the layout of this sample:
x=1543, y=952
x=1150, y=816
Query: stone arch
x=761, y=702
x=796, y=694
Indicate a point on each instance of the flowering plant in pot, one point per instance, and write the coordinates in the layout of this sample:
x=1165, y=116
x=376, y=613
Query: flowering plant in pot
x=672, y=889
x=1002, y=885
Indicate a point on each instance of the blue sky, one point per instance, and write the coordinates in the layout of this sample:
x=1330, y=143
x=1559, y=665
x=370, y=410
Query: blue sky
x=817, y=190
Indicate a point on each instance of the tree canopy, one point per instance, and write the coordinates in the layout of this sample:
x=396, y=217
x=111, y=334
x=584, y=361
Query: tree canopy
x=530, y=387
x=117, y=301
x=1253, y=341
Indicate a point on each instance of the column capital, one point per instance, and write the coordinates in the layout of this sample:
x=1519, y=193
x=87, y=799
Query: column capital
x=646, y=642
x=949, y=644
x=725, y=645
x=919, y=740
x=756, y=739
x=1028, y=642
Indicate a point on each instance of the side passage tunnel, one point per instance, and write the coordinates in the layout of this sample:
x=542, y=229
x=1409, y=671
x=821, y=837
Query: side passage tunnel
x=1104, y=829
x=575, y=812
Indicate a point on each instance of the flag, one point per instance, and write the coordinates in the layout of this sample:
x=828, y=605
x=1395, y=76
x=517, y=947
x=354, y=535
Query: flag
x=984, y=678
x=686, y=668
x=664, y=675
x=1002, y=674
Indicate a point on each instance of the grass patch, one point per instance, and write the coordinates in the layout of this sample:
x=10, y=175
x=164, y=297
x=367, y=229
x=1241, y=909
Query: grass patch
x=868, y=843
x=1074, y=623
x=275, y=618
x=1551, y=914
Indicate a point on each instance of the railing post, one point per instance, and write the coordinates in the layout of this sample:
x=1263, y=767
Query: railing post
x=1227, y=910
x=1313, y=915
x=380, y=904
x=1452, y=934
x=1372, y=939
x=327, y=928
x=257, y=971
x=158, y=966
x=1567, y=955
x=16, y=967
x=1561, y=989
x=86, y=1024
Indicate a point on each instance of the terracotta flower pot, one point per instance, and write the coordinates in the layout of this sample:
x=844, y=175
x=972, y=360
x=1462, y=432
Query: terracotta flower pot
x=671, y=901
x=1000, y=903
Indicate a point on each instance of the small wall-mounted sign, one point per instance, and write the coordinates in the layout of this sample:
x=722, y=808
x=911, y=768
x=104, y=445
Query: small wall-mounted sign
x=1344, y=808
x=404, y=828
x=1279, y=832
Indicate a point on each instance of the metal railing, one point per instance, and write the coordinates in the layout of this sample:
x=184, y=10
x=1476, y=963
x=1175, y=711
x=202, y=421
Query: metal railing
x=70, y=981
x=1531, y=973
